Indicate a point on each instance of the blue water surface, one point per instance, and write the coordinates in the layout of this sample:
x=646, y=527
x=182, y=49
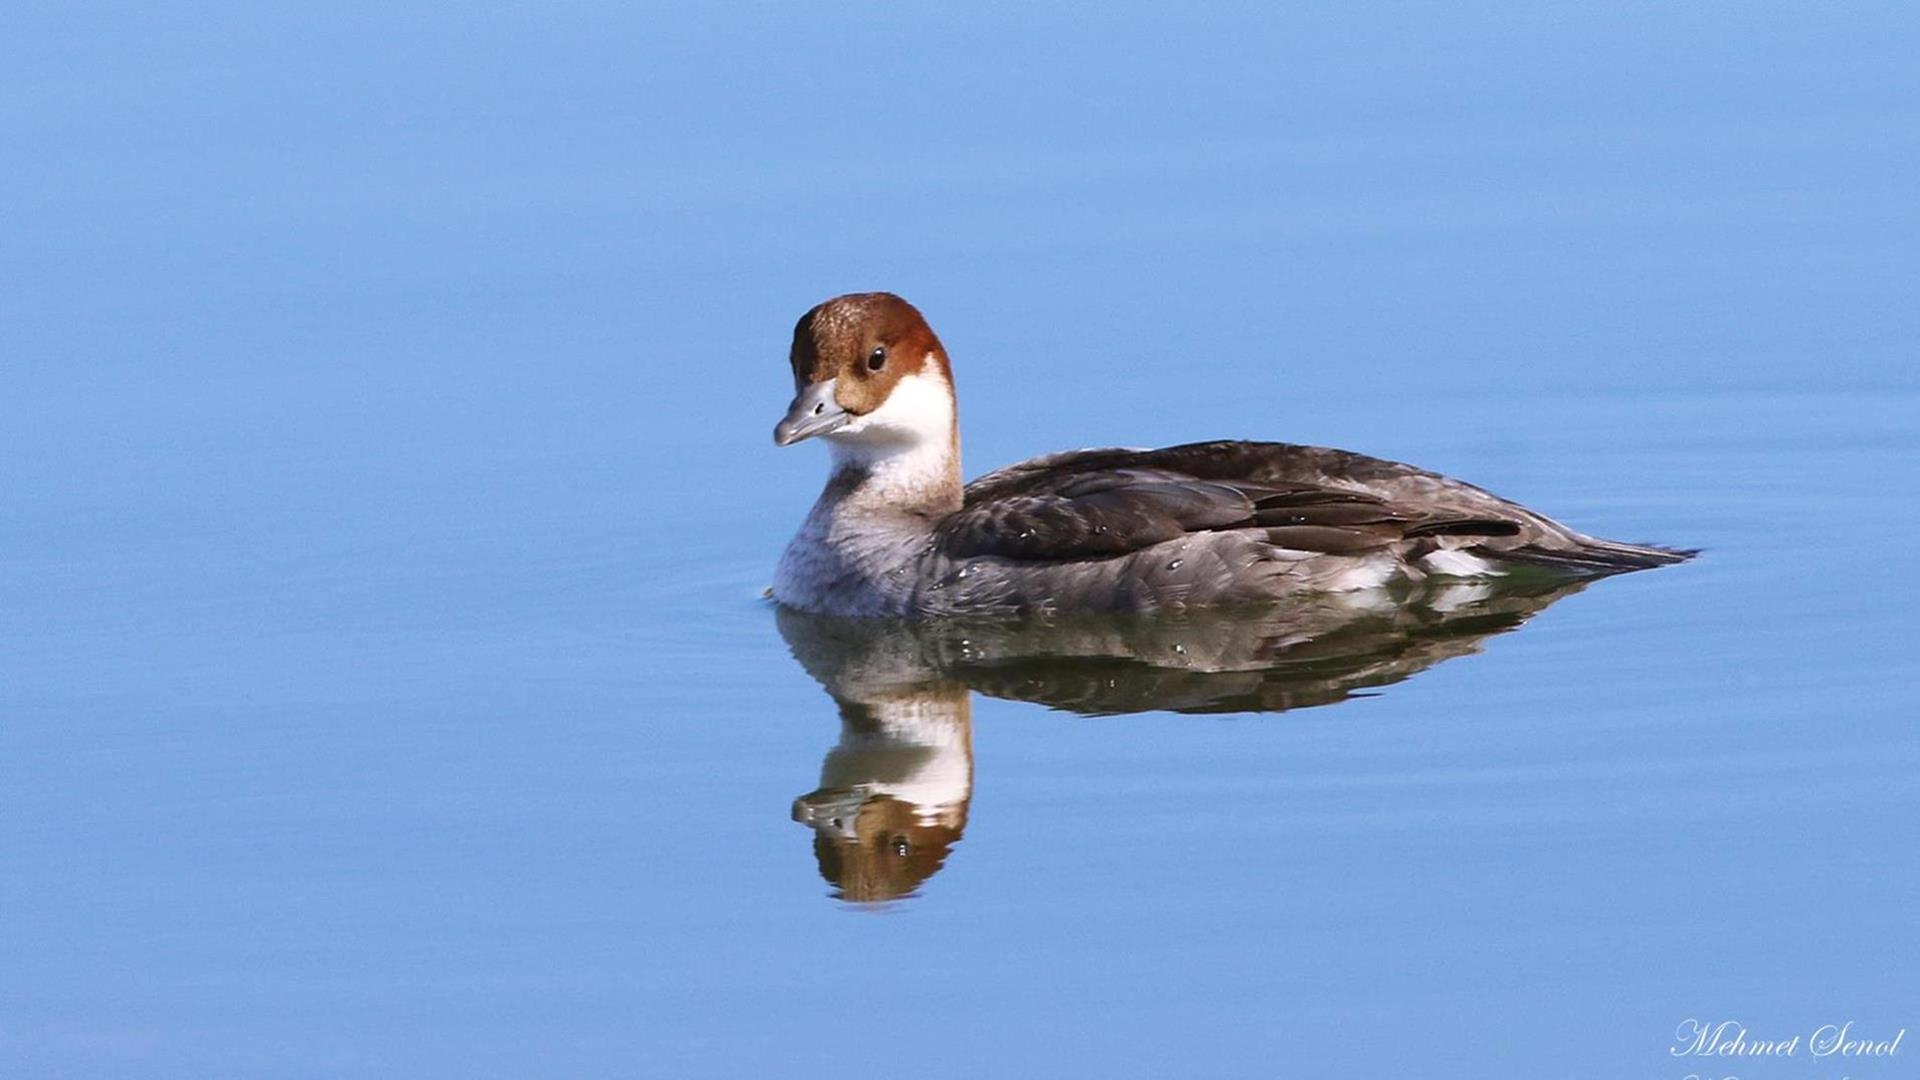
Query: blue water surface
x=385, y=684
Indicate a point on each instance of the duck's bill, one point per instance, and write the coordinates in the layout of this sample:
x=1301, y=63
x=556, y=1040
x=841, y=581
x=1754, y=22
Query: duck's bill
x=813, y=412
x=835, y=810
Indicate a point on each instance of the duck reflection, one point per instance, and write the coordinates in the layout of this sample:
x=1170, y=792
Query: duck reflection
x=894, y=791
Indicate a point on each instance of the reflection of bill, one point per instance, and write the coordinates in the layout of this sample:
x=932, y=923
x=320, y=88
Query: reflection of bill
x=893, y=792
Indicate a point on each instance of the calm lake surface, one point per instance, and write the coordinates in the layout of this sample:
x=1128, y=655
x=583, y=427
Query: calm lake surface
x=385, y=683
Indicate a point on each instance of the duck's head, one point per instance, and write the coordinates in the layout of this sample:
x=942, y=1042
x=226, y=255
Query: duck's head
x=868, y=375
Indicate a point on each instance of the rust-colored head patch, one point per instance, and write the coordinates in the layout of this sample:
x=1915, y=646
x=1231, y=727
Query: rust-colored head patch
x=892, y=852
x=868, y=342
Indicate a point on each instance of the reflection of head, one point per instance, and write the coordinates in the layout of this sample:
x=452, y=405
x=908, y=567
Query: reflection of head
x=893, y=794
x=888, y=851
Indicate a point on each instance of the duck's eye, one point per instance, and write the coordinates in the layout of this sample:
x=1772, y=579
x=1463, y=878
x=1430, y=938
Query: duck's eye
x=877, y=359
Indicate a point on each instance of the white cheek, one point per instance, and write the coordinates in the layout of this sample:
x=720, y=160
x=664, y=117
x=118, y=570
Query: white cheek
x=919, y=409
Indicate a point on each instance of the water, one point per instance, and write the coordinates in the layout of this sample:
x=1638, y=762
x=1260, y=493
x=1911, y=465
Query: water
x=386, y=685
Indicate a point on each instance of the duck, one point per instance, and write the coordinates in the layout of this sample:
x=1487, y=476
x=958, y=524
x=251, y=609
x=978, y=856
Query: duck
x=896, y=534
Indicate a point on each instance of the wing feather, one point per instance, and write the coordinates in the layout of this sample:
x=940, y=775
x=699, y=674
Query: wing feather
x=1101, y=504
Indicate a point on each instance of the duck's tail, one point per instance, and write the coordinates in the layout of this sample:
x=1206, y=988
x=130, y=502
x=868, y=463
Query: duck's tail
x=1592, y=555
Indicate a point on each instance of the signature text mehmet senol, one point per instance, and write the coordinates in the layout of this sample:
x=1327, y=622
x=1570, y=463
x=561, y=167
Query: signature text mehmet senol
x=1729, y=1038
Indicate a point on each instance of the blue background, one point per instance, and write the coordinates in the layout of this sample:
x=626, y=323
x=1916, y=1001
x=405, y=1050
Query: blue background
x=384, y=684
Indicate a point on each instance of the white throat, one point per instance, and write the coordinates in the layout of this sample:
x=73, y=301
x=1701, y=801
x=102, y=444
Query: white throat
x=919, y=751
x=907, y=445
